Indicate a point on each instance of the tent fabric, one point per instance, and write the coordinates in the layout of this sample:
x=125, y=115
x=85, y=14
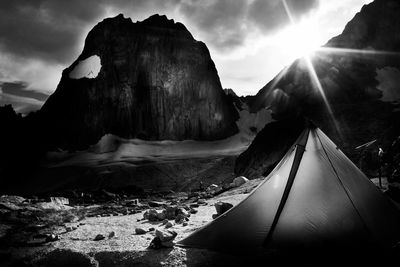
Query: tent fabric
x=329, y=202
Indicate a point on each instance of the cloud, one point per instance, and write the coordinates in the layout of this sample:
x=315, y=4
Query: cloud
x=20, y=88
x=226, y=23
x=21, y=104
x=51, y=29
x=40, y=38
x=270, y=15
x=222, y=21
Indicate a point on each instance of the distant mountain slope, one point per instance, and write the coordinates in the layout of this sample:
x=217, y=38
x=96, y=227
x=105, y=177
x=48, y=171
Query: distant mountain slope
x=359, y=74
x=150, y=80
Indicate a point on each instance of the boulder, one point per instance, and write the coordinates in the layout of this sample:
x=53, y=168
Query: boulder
x=222, y=207
x=99, y=237
x=140, y=231
x=171, y=212
x=156, y=204
x=52, y=238
x=180, y=218
x=163, y=239
x=202, y=201
x=151, y=215
x=132, y=203
x=238, y=181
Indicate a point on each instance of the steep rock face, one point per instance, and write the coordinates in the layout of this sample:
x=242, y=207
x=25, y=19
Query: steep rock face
x=358, y=77
x=268, y=148
x=155, y=82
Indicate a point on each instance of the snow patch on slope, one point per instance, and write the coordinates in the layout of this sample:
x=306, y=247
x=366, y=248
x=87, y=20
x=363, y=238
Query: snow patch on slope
x=112, y=149
x=87, y=68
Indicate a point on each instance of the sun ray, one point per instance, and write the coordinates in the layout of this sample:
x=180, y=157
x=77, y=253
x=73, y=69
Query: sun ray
x=338, y=50
x=313, y=76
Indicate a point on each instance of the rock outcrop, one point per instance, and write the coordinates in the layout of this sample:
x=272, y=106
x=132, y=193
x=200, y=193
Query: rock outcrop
x=358, y=72
x=268, y=148
x=154, y=82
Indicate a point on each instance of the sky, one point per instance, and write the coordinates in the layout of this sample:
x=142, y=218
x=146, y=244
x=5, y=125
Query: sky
x=250, y=41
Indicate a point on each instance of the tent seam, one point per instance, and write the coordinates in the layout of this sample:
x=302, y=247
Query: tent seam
x=343, y=186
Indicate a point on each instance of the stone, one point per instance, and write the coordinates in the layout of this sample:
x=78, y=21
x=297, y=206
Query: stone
x=156, y=204
x=165, y=221
x=166, y=235
x=132, y=203
x=222, y=207
x=140, y=231
x=193, y=211
x=111, y=234
x=238, y=181
x=184, y=223
x=151, y=215
x=99, y=237
x=180, y=218
x=202, y=201
x=151, y=229
x=52, y=238
x=161, y=215
x=168, y=225
x=171, y=212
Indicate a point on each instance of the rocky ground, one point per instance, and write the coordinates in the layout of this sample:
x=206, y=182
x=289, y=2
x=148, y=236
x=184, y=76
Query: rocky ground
x=118, y=230
x=113, y=232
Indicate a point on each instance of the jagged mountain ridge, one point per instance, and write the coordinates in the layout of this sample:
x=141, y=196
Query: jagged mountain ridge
x=156, y=82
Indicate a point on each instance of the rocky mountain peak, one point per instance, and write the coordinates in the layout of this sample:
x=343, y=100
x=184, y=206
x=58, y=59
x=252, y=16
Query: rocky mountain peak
x=376, y=26
x=150, y=80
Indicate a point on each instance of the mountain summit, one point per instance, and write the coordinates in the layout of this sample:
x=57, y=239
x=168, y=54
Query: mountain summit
x=353, y=94
x=150, y=80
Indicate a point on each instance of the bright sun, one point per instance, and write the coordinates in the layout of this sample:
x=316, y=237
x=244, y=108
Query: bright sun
x=300, y=39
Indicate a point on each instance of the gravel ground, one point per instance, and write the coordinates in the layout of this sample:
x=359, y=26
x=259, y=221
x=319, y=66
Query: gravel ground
x=78, y=248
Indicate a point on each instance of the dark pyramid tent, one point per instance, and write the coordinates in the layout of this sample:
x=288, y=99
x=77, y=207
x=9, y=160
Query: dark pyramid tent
x=315, y=197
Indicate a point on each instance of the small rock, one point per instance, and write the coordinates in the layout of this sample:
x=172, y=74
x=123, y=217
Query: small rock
x=180, y=218
x=161, y=215
x=52, y=238
x=99, y=237
x=132, y=202
x=151, y=229
x=171, y=212
x=201, y=201
x=163, y=239
x=140, y=231
x=168, y=225
x=164, y=222
x=166, y=235
x=238, y=181
x=111, y=235
x=222, y=207
x=70, y=228
x=184, y=223
x=193, y=211
x=151, y=215
x=194, y=205
x=155, y=204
